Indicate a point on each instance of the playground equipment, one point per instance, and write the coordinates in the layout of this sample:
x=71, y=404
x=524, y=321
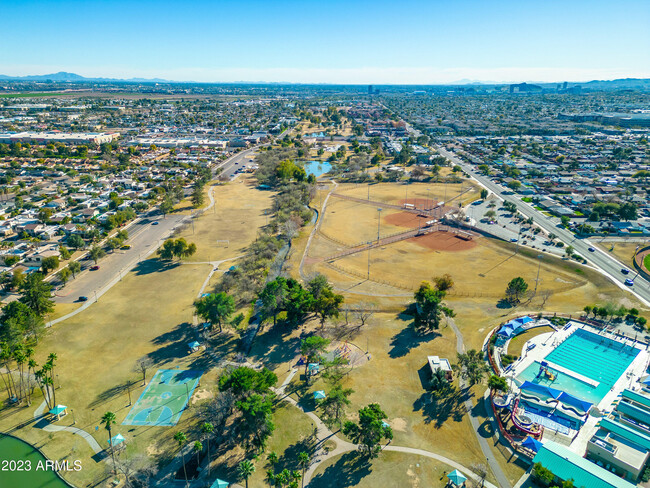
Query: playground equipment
x=546, y=372
x=344, y=351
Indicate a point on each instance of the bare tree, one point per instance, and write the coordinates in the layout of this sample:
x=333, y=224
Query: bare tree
x=481, y=470
x=364, y=311
x=141, y=366
x=138, y=471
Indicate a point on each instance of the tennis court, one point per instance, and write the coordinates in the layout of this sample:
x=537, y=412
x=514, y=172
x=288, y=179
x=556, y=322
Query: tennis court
x=164, y=399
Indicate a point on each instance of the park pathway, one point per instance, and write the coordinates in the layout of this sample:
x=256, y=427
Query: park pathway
x=323, y=434
x=39, y=413
x=501, y=478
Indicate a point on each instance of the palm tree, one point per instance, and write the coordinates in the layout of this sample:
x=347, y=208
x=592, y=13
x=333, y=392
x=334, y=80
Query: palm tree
x=270, y=478
x=303, y=461
x=50, y=361
x=207, y=429
x=246, y=469
x=198, y=447
x=272, y=458
x=181, y=438
x=108, y=420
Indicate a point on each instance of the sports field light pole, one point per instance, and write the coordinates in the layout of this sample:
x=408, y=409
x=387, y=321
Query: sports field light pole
x=426, y=205
x=378, y=223
x=539, y=257
x=369, y=260
x=187, y=392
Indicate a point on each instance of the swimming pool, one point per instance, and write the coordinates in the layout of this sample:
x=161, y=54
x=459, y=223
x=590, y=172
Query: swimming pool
x=317, y=168
x=598, y=358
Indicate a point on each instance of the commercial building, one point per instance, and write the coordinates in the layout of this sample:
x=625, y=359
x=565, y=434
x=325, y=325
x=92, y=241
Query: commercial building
x=55, y=136
x=567, y=465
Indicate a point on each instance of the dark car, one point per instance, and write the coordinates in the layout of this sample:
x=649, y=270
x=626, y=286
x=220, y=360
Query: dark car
x=591, y=249
x=94, y=268
x=625, y=271
x=629, y=282
x=83, y=298
x=155, y=222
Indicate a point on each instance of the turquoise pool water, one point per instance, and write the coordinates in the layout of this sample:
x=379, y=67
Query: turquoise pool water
x=596, y=357
x=317, y=168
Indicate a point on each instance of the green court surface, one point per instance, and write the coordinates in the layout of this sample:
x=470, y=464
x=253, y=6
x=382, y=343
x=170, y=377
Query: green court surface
x=166, y=396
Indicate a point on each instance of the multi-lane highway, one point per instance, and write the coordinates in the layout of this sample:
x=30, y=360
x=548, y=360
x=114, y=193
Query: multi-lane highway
x=605, y=263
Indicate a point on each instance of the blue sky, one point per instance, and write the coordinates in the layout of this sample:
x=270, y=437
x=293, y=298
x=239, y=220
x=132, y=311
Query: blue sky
x=405, y=41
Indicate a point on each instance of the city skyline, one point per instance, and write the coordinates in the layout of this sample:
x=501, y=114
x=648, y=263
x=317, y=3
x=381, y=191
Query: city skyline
x=334, y=42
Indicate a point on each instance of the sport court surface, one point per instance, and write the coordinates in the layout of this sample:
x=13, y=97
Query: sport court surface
x=163, y=401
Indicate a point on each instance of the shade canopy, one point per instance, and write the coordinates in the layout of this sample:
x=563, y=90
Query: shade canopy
x=575, y=402
x=58, y=409
x=220, y=484
x=116, y=439
x=545, y=390
x=194, y=345
x=456, y=477
x=532, y=444
x=319, y=395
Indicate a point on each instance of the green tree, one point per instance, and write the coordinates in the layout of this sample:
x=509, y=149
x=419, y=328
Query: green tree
x=215, y=308
x=256, y=419
x=75, y=241
x=439, y=381
x=516, y=289
x=49, y=263
x=484, y=193
x=197, y=196
x=370, y=430
x=273, y=298
x=497, y=383
x=244, y=381
x=429, y=308
x=166, y=206
x=64, y=275
x=471, y=366
x=327, y=305
x=96, y=253
x=246, y=470
x=197, y=447
x=74, y=268
x=313, y=347
x=36, y=294
x=335, y=403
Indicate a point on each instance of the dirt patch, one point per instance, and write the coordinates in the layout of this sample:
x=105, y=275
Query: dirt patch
x=201, y=395
x=405, y=219
x=154, y=449
x=444, y=241
x=398, y=424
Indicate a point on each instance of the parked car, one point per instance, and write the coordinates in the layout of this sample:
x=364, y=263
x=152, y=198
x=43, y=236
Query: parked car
x=83, y=298
x=94, y=268
x=155, y=222
x=126, y=246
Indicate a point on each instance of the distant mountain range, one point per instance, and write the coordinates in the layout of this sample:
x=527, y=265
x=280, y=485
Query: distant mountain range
x=65, y=77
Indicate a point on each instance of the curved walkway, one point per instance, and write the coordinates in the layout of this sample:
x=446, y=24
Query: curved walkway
x=38, y=413
x=485, y=447
x=323, y=433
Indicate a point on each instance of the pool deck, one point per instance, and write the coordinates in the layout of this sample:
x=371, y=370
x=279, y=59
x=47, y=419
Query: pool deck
x=545, y=343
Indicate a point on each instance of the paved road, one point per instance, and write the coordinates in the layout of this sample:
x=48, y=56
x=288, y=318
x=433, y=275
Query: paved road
x=603, y=262
x=144, y=238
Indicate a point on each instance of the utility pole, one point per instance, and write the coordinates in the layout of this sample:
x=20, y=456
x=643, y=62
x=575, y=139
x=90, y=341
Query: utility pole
x=368, y=260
